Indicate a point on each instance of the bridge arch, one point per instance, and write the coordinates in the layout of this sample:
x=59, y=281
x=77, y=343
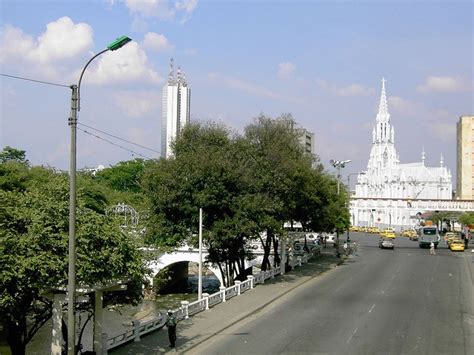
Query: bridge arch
x=166, y=260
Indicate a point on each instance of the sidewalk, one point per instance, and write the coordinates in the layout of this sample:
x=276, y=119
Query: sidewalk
x=204, y=325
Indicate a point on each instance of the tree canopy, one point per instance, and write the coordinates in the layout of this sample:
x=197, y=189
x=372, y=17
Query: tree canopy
x=34, y=224
x=248, y=186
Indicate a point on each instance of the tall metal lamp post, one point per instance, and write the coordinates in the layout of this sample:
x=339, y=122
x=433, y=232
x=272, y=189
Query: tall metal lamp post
x=338, y=164
x=71, y=287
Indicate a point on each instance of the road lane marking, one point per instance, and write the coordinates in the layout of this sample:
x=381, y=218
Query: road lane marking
x=350, y=338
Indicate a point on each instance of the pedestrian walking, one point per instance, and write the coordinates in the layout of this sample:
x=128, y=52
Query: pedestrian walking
x=355, y=249
x=171, y=325
x=346, y=248
x=432, y=248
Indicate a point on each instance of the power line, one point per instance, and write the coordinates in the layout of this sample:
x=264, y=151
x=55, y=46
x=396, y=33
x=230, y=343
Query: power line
x=117, y=145
x=111, y=135
x=34, y=80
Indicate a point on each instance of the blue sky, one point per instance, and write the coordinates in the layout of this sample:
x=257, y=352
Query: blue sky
x=321, y=61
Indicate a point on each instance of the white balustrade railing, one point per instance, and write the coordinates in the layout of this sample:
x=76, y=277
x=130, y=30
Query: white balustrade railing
x=190, y=308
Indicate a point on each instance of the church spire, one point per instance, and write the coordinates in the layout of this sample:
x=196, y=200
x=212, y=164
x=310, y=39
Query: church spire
x=441, y=161
x=383, y=107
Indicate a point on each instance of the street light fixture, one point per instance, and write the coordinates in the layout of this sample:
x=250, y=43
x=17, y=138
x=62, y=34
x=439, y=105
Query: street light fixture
x=71, y=287
x=338, y=164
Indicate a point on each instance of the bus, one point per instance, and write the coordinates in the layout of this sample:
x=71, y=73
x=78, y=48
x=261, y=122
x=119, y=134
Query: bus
x=426, y=235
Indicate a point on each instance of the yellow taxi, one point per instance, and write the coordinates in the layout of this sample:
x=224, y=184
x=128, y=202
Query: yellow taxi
x=375, y=230
x=354, y=228
x=456, y=245
x=449, y=237
x=409, y=233
x=388, y=233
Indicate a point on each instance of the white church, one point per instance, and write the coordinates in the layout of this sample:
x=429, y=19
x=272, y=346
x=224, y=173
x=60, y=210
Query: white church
x=392, y=194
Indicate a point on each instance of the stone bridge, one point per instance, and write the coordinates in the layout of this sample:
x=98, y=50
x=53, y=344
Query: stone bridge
x=180, y=258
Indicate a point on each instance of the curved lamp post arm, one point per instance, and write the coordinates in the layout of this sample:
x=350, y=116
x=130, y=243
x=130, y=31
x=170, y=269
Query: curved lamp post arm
x=82, y=74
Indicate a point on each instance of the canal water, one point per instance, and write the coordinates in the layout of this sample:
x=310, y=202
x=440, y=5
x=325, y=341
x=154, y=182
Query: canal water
x=118, y=319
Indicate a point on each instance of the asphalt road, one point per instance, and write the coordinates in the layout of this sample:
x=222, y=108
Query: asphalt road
x=403, y=301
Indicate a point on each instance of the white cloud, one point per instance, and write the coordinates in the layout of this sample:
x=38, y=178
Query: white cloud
x=241, y=85
x=62, y=40
x=441, y=84
x=348, y=90
x=161, y=9
x=130, y=63
x=285, y=70
x=156, y=42
x=354, y=90
x=137, y=104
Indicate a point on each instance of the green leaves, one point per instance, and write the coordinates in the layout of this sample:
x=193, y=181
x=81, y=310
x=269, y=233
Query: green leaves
x=34, y=225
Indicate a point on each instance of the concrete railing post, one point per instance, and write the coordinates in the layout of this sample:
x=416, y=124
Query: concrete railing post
x=262, y=276
x=104, y=344
x=251, y=278
x=272, y=273
x=206, y=299
x=57, y=316
x=238, y=283
x=185, y=306
x=222, y=289
x=299, y=260
x=136, y=330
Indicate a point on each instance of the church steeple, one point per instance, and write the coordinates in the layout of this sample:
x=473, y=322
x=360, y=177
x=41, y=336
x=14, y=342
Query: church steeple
x=383, y=107
x=383, y=154
x=383, y=132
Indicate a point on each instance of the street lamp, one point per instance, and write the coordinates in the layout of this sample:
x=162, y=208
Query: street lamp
x=71, y=286
x=339, y=164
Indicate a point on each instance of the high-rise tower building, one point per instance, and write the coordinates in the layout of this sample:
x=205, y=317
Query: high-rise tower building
x=175, y=111
x=465, y=161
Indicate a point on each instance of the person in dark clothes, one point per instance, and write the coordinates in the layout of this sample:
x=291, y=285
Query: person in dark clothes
x=171, y=325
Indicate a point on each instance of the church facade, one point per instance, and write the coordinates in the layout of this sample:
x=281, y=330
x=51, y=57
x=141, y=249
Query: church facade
x=385, y=192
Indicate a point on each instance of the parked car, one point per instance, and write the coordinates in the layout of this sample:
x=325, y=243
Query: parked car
x=386, y=243
x=456, y=245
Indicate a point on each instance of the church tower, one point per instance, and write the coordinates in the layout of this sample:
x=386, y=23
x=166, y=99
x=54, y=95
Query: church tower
x=383, y=154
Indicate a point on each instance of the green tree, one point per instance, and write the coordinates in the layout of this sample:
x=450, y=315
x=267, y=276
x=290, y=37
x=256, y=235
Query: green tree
x=201, y=174
x=12, y=154
x=33, y=253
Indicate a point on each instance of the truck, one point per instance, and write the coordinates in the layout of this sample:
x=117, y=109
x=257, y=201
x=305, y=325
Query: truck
x=428, y=234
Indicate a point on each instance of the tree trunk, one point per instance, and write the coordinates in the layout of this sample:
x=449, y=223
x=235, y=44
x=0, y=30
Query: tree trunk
x=276, y=259
x=16, y=336
x=266, y=252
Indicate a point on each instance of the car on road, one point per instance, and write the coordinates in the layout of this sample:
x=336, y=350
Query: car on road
x=388, y=233
x=386, y=243
x=456, y=245
x=408, y=233
x=330, y=239
x=449, y=237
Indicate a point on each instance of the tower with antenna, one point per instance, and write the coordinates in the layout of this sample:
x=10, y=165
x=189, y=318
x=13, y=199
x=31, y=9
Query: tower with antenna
x=175, y=113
